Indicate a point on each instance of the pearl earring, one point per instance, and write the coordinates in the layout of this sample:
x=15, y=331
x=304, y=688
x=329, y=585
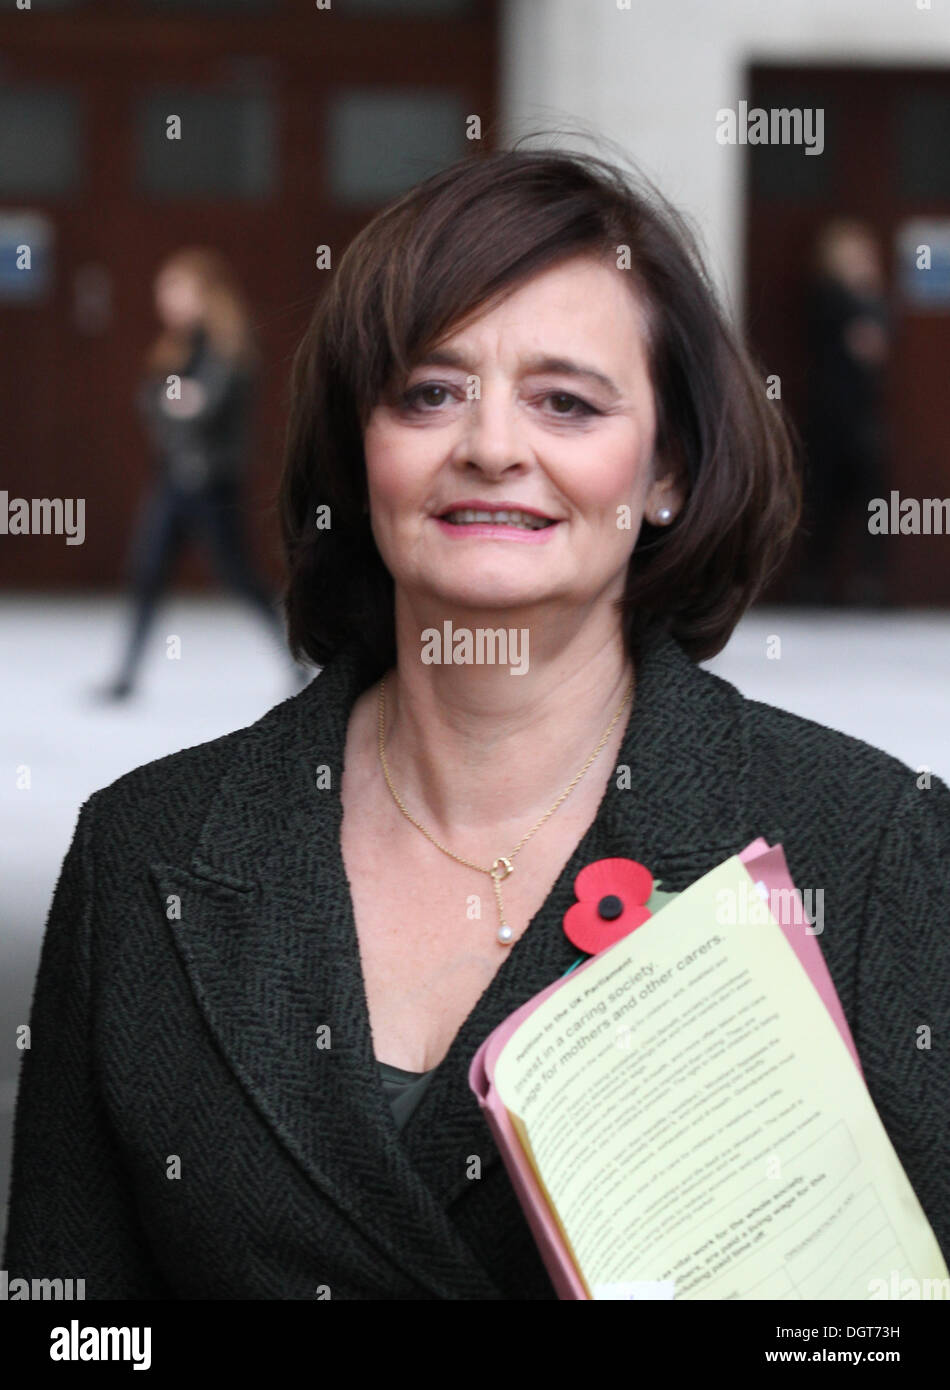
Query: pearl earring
x=664, y=516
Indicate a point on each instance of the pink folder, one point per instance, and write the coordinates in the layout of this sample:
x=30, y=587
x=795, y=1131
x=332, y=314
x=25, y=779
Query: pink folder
x=765, y=866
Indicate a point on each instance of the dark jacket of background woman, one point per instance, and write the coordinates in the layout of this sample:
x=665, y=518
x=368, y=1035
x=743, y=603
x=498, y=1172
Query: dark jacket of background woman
x=211, y=447
x=845, y=400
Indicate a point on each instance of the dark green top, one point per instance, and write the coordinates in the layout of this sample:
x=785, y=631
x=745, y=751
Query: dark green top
x=404, y=1089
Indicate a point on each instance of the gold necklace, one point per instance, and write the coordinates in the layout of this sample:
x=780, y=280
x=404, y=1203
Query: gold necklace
x=502, y=866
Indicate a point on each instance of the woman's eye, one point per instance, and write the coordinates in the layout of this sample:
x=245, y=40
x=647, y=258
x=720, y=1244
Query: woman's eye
x=429, y=394
x=566, y=404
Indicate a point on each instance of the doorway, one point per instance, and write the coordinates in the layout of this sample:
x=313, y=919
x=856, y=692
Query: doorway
x=885, y=163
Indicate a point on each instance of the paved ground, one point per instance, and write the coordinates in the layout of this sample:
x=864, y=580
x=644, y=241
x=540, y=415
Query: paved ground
x=884, y=678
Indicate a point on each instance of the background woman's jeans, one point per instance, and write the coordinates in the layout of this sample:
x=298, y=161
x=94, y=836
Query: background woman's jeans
x=170, y=516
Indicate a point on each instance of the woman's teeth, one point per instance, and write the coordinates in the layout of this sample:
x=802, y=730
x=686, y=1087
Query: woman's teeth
x=508, y=518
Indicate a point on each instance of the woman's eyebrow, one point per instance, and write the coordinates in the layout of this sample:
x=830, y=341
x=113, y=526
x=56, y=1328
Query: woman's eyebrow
x=564, y=366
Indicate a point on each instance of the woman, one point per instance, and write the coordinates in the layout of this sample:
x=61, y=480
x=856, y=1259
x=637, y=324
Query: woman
x=195, y=402
x=848, y=327
x=255, y=941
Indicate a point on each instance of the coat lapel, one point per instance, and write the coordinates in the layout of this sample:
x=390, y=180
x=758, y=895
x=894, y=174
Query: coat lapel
x=267, y=937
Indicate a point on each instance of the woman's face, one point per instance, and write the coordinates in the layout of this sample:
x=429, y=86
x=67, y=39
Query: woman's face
x=544, y=406
x=852, y=254
x=178, y=299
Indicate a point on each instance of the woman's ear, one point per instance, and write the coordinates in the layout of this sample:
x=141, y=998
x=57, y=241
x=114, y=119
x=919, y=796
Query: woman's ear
x=665, y=498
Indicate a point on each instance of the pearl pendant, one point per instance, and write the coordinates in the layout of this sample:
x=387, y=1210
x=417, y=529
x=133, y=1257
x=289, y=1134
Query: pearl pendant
x=505, y=934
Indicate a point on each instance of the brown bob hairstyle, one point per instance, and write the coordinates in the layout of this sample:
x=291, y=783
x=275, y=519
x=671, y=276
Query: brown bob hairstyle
x=453, y=246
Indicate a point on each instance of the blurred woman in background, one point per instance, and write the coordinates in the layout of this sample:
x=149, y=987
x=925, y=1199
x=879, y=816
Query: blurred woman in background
x=849, y=330
x=195, y=402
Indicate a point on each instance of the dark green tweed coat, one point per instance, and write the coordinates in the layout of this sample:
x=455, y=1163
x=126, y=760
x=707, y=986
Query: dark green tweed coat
x=155, y=1036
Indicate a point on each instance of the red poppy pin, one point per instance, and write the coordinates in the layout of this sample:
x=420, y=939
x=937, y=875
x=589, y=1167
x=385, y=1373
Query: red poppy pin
x=611, y=902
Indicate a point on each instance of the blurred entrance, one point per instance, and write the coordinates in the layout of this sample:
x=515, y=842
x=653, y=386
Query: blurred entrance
x=886, y=134
x=291, y=125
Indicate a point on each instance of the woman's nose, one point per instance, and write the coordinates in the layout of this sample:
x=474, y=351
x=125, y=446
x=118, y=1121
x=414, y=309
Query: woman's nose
x=494, y=439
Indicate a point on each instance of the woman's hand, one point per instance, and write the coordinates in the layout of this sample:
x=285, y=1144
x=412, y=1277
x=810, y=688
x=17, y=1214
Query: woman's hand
x=190, y=403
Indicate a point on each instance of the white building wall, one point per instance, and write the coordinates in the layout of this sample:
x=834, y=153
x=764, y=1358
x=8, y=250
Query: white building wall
x=651, y=77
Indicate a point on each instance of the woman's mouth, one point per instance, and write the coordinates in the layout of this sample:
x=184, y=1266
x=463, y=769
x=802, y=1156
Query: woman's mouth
x=470, y=516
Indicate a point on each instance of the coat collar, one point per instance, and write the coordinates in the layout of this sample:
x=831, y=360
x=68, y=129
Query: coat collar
x=267, y=937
